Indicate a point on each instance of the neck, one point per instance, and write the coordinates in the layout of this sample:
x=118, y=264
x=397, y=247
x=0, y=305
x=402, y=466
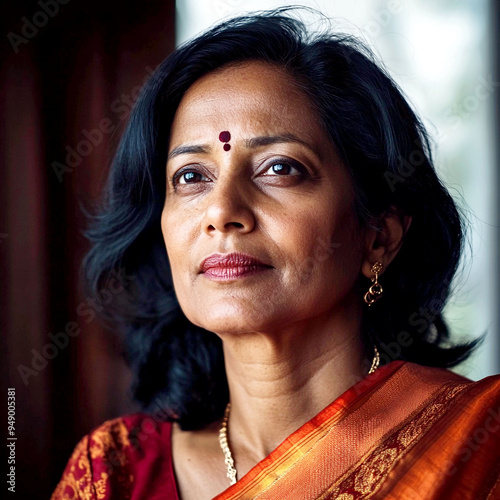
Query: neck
x=279, y=381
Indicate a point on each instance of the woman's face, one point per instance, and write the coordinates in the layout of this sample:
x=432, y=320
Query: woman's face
x=252, y=173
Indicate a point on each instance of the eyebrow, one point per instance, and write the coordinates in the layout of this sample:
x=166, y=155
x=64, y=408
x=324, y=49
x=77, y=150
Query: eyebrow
x=189, y=149
x=266, y=140
x=253, y=143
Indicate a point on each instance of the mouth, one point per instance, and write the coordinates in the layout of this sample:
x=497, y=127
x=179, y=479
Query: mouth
x=227, y=267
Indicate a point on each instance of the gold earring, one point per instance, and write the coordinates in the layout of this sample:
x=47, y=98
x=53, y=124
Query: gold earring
x=375, y=291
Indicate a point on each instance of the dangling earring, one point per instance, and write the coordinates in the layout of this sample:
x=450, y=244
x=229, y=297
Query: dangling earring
x=375, y=291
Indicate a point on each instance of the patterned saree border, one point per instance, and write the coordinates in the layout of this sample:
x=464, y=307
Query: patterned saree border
x=367, y=476
x=300, y=443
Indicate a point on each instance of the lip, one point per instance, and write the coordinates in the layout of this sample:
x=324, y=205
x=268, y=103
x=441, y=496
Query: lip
x=231, y=266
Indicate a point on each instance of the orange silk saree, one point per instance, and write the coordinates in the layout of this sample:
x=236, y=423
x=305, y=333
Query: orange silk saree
x=404, y=432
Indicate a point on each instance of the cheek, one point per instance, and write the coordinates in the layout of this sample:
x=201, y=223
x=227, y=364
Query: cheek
x=174, y=236
x=327, y=253
x=166, y=230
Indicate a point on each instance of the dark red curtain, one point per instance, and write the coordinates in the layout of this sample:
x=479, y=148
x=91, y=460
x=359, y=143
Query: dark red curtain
x=70, y=72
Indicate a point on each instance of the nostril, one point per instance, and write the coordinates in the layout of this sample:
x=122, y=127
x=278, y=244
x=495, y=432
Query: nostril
x=228, y=218
x=227, y=226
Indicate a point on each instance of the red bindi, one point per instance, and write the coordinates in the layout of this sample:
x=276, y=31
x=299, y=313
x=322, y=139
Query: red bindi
x=225, y=136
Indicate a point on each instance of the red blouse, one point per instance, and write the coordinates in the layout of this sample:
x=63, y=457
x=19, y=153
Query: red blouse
x=127, y=458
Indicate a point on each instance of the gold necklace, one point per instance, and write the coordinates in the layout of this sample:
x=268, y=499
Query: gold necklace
x=228, y=457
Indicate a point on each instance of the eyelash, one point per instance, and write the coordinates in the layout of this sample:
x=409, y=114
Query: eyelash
x=178, y=176
x=287, y=163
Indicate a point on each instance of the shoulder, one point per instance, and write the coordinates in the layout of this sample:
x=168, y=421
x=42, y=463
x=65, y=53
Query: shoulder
x=459, y=430
x=483, y=394
x=127, y=431
x=126, y=435
x=431, y=377
x=409, y=385
x=466, y=412
x=110, y=456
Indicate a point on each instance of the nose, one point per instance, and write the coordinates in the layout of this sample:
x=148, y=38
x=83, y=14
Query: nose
x=229, y=208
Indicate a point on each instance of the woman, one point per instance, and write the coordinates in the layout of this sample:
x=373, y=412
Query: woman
x=277, y=190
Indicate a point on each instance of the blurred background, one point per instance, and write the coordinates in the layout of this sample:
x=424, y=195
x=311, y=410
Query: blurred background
x=70, y=72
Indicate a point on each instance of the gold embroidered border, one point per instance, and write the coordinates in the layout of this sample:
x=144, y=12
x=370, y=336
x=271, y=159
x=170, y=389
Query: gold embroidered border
x=366, y=477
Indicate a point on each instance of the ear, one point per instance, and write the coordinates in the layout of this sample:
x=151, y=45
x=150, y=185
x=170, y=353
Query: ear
x=383, y=243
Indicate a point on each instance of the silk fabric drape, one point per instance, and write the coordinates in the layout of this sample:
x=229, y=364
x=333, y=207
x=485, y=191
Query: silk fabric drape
x=404, y=432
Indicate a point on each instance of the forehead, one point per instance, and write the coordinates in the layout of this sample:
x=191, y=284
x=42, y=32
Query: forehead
x=246, y=99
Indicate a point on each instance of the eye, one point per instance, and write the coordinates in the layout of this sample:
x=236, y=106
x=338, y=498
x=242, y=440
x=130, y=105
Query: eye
x=282, y=167
x=189, y=177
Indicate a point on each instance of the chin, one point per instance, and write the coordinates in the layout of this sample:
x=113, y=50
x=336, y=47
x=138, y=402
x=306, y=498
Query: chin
x=232, y=325
x=239, y=315
x=234, y=321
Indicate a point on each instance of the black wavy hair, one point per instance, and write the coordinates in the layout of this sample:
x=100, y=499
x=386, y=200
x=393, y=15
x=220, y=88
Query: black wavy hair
x=178, y=366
